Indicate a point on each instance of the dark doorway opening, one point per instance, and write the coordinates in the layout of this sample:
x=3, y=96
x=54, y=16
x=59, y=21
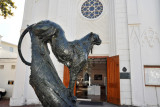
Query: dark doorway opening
x=92, y=81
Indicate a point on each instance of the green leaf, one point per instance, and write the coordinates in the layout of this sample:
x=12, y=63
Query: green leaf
x=6, y=7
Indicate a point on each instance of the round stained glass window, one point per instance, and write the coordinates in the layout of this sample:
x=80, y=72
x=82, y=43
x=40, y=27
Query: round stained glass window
x=92, y=9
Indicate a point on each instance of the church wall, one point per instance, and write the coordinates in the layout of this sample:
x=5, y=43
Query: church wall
x=150, y=36
x=137, y=81
x=150, y=32
x=144, y=25
x=98, y=25
x=122, y=48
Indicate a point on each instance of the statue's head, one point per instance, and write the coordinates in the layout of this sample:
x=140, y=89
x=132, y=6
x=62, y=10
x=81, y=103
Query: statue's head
x=95, y=38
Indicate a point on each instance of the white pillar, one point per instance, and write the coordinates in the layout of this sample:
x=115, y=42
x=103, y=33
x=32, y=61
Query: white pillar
x=112, y=28
x=23, y=93
x=136, y=65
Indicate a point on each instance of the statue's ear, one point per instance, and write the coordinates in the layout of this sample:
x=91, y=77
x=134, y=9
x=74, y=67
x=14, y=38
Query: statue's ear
x=92, y=36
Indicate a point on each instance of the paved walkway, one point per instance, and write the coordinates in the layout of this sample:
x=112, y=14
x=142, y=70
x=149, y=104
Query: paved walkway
x=104, y=104
x=5, y=103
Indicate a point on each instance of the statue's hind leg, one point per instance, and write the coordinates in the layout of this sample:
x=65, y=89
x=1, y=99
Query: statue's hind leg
x=73, y=78
x=72, y=81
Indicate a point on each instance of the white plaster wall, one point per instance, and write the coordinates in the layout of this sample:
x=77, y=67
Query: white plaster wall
x=144, y=25
x=7, y=74
x=158, y=94
x=137, y=74
x=98, y=25
x=151, y=96
x=137, y=77
x=122, y=48
x=125, y=91
x=7, y=46
x=150, y=32
x=150, y=35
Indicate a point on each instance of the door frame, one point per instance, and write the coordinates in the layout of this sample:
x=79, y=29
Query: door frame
x=107, y=57
x=106, y=65
x=88, y=57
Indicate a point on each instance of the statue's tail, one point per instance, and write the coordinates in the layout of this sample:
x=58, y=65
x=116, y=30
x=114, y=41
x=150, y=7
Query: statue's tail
x=20, y=42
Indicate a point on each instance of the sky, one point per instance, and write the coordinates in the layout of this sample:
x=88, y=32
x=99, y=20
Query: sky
x=10, y=27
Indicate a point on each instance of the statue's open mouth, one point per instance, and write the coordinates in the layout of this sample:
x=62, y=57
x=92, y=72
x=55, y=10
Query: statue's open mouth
x=98, y=42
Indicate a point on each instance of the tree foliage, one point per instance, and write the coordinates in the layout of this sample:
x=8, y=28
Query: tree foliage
x=6, y=8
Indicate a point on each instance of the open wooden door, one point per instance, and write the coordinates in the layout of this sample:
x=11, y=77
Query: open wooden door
x=113, y=80
x=66, y=78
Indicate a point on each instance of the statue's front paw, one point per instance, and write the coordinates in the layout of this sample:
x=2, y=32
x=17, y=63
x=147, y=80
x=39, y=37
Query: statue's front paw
x=74, y=99
x=71, y=96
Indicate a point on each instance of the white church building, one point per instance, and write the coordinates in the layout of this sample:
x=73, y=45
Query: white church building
x=123, y=70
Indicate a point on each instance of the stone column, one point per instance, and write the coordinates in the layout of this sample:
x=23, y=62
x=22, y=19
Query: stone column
x=112, y=27
x=122, y=49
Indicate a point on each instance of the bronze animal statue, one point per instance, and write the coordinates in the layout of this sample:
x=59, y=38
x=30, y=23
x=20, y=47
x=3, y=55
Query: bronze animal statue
x=44, y=78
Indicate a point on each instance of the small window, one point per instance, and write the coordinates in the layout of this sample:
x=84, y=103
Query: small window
x=13, y=67
x=10, y=82
x=152, y=75
x=11, y=49
x=1, y=66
